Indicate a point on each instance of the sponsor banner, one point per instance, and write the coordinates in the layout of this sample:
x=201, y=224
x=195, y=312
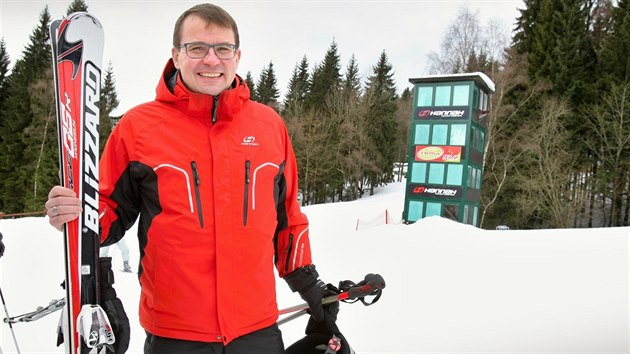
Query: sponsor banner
x=428, y=191
x=438, y=153
x=442, y=113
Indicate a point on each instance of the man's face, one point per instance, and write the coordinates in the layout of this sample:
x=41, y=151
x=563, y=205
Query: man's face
x=209, y=75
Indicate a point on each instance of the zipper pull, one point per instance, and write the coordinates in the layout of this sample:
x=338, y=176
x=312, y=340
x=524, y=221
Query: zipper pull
x=195, y=173
x=215, y=105
x=246, y=193
x=197, y=182
x=247, y=164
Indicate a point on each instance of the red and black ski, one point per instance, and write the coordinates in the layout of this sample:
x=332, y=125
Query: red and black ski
x=77, y=46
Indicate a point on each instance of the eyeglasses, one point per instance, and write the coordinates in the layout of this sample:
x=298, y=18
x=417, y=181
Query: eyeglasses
x=199, y=50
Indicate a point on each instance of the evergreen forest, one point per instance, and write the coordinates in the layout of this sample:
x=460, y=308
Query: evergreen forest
x=557, y=148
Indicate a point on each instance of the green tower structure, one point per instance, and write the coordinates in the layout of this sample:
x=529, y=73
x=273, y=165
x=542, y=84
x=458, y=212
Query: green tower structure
x=447, y=140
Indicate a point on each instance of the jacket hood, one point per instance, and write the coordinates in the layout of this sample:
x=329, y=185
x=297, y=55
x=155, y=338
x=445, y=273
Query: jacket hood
x=172, y=90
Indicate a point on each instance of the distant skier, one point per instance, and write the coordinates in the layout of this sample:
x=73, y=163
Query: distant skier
x=124, y=252
x=1, y=246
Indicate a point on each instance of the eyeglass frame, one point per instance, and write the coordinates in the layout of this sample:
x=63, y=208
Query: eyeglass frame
x=234, y=48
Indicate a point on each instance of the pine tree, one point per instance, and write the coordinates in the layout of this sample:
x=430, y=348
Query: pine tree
x=77, y=6
x=561, y=50
x=108, y=102
x=4, y=91
x=351, y=85
x=4, y=72
x=525, y=23
x=601, y=22
x=40, y=155
x=574, y=56
x=614, y=58
x=298, y=90
x=403, y=122
x=249, y=80
x=609, y=120
x=381, y=120
x=543, y=38
x=325, y=85
x=326, y=78
x=15, y=173
x=266, y=87
x=4, y=79
x=353, y=155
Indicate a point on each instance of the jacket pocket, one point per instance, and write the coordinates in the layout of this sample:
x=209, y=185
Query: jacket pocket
x=197, y=182
x=246, y=193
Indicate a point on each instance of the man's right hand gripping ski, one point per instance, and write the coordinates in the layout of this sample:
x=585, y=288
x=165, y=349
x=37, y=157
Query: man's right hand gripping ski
x=62, y=206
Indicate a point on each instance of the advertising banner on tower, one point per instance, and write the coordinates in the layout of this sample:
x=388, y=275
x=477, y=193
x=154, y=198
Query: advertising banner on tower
x=438, y=153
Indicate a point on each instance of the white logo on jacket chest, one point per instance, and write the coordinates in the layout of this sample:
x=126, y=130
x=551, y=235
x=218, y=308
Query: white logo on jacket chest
x=249, y=141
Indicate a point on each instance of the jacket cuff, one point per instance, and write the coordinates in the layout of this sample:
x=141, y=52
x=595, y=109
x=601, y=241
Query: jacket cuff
x=302, y=278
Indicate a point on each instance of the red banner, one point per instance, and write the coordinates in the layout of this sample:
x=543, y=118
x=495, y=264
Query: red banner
x=439, y=153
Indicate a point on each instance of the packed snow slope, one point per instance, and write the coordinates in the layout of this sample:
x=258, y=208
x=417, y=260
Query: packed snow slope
x=451, y=288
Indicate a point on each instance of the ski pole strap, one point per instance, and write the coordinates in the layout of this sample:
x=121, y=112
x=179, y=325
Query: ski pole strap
x=372, y=285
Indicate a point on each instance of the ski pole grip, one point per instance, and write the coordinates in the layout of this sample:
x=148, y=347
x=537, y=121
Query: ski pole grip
x=369, y=286
x=373, y=282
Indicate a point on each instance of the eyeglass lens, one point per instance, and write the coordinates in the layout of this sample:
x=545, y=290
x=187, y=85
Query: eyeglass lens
x=200, y=50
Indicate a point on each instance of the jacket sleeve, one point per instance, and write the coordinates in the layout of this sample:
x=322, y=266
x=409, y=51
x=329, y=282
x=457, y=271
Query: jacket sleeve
x=293, y=248
x=118, y=197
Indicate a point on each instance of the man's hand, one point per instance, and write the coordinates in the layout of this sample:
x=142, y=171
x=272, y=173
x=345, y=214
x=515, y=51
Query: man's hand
x=306, y=282
x=62, y=206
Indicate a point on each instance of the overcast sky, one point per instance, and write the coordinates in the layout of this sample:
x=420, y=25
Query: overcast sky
x=138, y=34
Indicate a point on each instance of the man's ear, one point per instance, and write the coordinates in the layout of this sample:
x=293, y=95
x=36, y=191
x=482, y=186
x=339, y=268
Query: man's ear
x=175, y=53
x=237, y=57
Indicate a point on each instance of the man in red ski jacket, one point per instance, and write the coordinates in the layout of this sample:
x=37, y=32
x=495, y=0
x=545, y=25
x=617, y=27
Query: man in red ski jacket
x=212, y=176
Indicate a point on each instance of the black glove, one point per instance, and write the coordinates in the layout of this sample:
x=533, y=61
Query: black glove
x=305, y=281
x=319, y=335
x=113, y=307
x=329, y=324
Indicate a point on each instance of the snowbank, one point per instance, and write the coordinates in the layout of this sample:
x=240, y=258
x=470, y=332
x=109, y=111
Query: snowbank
x=451, y=288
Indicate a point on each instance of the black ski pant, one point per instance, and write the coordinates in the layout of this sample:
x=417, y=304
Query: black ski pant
x=265, y=341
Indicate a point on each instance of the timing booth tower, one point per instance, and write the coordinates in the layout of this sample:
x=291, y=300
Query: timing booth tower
x=446, y=146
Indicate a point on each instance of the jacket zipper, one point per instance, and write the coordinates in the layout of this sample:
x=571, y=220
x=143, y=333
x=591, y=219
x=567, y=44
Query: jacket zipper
x=215, y=105
x=197, y=181
x=289, y=252
x=246, y=197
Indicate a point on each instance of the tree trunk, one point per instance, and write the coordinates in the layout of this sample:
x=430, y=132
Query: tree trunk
x=594, y=192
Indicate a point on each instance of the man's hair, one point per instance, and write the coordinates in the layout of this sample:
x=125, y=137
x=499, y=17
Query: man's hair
x=212, y=15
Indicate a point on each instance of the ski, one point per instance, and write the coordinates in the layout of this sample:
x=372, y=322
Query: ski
x=40, y=312
x=77, y=49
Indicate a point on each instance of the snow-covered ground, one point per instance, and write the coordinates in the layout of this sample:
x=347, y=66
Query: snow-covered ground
x=451, y=288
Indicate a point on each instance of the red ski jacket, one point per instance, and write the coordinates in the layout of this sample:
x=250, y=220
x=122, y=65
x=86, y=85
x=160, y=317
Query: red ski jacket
x=214, y=181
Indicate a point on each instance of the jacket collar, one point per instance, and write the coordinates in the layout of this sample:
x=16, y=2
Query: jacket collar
x=172, y=90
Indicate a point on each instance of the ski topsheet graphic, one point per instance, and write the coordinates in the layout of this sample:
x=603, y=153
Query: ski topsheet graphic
x=77, y=46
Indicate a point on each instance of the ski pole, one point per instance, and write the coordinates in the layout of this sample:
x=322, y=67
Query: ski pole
x=4, y=304
x=372, y=284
